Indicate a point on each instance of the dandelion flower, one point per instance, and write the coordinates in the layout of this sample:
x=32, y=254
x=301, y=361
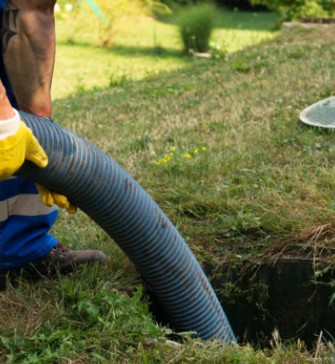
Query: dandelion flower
x=196, y=151
x=187, y=155
x=204, y=148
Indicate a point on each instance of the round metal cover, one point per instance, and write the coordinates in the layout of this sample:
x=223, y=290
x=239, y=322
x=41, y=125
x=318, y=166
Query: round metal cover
x=320, y=114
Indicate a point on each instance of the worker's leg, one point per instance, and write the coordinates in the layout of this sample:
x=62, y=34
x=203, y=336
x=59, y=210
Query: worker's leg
x=24, y=231
x=28, y=47
x=27, y=44
x=24, y=224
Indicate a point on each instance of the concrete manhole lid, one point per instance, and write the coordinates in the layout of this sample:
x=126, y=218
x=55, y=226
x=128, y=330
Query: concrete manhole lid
x=321, y=114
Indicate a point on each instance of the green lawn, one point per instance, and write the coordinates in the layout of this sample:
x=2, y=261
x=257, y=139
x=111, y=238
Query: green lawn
x=218, y=144
x=82, y=64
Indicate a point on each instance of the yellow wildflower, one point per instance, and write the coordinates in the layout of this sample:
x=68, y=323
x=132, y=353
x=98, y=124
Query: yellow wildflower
x=187, y=155
x=172, y=149
x=204, y=148
x=196, y=151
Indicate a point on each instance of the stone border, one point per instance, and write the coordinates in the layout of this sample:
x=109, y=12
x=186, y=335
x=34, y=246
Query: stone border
x=310, y=23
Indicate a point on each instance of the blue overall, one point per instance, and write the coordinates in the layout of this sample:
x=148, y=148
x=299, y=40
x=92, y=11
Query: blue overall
x=24, y=220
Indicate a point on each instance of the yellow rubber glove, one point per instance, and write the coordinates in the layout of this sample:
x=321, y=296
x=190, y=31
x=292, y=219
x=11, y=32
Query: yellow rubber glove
x=17, y=144
x=50, y=198
x=15, y=149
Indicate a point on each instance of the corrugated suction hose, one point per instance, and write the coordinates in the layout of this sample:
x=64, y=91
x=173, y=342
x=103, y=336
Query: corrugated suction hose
x=114, y=200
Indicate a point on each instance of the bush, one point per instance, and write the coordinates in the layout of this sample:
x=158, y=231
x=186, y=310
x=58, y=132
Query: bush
x=240, y=4
x=297, y=9
x=329, y=6
x=196, y=24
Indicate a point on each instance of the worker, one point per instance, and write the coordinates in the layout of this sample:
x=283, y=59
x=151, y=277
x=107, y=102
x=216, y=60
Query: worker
x=27, y=211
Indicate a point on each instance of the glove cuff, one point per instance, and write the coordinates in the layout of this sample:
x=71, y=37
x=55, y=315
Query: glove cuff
x=9, y=127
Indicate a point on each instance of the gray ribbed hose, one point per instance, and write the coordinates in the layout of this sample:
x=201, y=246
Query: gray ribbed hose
x=114, y=200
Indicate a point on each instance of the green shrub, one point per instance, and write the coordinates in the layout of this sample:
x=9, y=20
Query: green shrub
x=296, y=9
x=196, y=24
x=329, y=6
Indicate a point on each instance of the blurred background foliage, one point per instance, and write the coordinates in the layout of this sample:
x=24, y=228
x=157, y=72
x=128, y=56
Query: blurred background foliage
x=289, y=9
x=196, y=19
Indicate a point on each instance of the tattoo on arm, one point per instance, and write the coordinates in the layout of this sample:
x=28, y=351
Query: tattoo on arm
x=9, y=27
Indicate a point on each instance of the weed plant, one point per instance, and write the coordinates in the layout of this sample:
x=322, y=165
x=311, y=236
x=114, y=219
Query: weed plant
x=196, y=24
x=179, y=162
